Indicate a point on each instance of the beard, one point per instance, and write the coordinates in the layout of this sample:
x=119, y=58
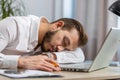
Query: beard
x=47, y=39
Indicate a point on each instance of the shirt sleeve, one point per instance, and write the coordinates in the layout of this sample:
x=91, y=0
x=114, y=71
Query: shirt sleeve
x=70, y=56
x=6, y=61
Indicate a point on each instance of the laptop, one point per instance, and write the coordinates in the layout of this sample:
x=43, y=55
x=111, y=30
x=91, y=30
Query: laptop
x=104, y=56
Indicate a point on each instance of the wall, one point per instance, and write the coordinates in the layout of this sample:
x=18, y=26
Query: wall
x=40, y=8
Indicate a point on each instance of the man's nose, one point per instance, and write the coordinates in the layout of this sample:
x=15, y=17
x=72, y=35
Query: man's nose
x=60, y=48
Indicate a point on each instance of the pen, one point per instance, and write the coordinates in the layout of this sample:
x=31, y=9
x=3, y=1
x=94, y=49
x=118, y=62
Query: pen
x=55, y=64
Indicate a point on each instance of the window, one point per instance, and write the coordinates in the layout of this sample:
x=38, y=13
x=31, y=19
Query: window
x=118, y=24
x=118, y=52
x=67, y=8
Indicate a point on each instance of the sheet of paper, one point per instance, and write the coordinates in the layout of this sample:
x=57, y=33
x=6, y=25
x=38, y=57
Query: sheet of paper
x=28, y=73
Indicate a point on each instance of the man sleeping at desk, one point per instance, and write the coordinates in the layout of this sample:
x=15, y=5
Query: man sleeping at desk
x=31, y=42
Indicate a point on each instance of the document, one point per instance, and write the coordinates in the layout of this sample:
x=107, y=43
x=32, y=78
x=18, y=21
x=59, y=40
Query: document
x=27, y=73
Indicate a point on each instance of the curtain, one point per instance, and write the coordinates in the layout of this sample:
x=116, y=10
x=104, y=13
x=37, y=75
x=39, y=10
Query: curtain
x=96, y=19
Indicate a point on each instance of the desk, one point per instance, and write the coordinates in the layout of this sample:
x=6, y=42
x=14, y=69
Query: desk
x=107, y=73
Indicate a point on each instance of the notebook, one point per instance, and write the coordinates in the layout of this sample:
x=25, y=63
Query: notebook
x=27, y=73
x=104, y=55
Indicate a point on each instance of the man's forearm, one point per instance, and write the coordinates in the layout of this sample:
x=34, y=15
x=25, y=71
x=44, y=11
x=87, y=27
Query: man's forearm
x=70, y=56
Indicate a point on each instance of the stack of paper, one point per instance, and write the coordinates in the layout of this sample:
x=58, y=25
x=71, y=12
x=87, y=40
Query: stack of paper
x=27, y=73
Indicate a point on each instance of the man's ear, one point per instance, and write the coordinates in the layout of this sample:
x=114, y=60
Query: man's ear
x=44, y=20
x=57, y=25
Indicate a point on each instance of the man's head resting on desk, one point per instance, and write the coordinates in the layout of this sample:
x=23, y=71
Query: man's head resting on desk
x=62, y=34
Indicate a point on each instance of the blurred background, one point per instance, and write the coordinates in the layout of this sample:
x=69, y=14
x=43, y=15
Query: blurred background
x=93, y=15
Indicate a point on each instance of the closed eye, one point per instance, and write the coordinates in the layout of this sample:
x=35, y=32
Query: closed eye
x=66, y=41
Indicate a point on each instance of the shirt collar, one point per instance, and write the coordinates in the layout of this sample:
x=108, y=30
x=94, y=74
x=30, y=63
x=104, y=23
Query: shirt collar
x=34, y=30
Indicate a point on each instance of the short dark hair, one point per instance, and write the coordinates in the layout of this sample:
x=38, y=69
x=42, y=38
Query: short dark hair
x=69, y=24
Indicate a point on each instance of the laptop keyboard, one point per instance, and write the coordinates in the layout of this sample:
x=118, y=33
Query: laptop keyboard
x=75, y=67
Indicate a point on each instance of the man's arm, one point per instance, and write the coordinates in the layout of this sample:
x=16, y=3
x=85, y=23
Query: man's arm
x=6, y=61
x=69, y=56
x=8, y=33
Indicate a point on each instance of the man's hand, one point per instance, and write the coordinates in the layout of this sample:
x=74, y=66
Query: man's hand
x=40, y=62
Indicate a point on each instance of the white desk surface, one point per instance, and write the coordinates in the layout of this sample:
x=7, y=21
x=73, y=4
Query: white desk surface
x=106, y=73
